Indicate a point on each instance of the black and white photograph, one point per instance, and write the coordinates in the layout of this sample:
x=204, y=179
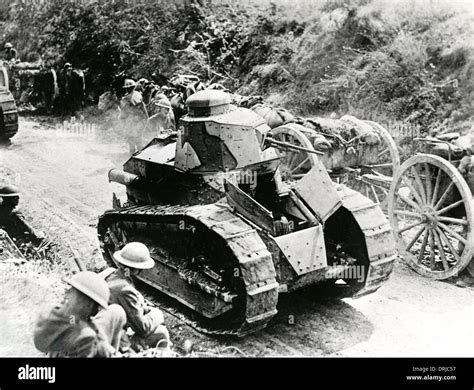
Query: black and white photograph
x=237, y=179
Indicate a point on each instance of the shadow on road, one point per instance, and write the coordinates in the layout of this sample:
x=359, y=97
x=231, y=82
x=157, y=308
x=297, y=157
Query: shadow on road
x=312, y=326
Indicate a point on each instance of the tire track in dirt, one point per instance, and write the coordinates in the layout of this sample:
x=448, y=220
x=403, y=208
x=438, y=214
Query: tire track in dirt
x=56, y=198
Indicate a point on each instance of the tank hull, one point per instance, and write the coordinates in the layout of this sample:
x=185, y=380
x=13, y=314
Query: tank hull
x=219, y=264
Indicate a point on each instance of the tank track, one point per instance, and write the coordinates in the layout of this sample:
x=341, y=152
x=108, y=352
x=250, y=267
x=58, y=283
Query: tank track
x=259, y=293
x=378, y=237
x=188, y=319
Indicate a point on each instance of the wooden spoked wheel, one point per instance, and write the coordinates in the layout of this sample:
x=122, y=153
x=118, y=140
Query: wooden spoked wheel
x=375, y=179
x=431, y=210
x=294, y=163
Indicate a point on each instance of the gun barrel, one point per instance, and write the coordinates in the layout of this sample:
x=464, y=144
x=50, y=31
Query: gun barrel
x=121, y=177
x=286, y=145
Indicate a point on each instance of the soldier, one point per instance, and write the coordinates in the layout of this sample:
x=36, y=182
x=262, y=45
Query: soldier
x=161, y=119
x=10, y=52
x=109, y=106
x=65, y=77
x=141, y=84
x=132, y=114
x=72, y=88
x=145, y=321
x=75, y=329
x=9, y=197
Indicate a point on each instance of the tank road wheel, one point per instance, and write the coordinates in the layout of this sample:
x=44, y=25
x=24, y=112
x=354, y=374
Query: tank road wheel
x=375, y=179
x=431, y=211
x=294, y=163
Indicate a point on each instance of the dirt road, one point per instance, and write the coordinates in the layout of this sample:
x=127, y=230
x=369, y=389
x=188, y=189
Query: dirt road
x=64, y=183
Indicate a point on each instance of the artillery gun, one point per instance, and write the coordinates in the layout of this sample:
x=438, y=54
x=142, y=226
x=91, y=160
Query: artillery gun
x=22, y=76
x=8, y=110
x=358, y=153
x=229, y=232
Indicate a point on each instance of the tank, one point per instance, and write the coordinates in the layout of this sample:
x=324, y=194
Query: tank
x=8, y=110
x=229, y=234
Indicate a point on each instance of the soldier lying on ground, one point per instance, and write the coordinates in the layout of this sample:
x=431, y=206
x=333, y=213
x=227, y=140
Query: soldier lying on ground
x=145, y=321
x=70, y=330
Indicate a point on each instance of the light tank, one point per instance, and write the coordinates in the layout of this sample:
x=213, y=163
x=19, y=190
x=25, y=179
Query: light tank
x=229, y=234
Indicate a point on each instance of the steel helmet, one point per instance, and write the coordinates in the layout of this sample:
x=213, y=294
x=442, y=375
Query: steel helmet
x=8, y=45
x=216, y=86
x=158, y=97
x=92, y=285
x=143, y=81
x=129, y=83
x=135, y=255
x=9, y=190
x=164, y=102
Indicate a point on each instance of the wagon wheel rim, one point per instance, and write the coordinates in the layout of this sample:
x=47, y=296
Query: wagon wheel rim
x=294, y=163
x=433, y=243
x=376, y=180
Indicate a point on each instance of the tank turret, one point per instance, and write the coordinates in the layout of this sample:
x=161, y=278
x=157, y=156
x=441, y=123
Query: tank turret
x=216, y=141
x=218, y=137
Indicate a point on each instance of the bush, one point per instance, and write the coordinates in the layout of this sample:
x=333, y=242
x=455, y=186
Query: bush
x=408, y=60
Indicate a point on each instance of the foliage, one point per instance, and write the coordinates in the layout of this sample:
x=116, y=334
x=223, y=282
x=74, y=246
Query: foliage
x=408, y=60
